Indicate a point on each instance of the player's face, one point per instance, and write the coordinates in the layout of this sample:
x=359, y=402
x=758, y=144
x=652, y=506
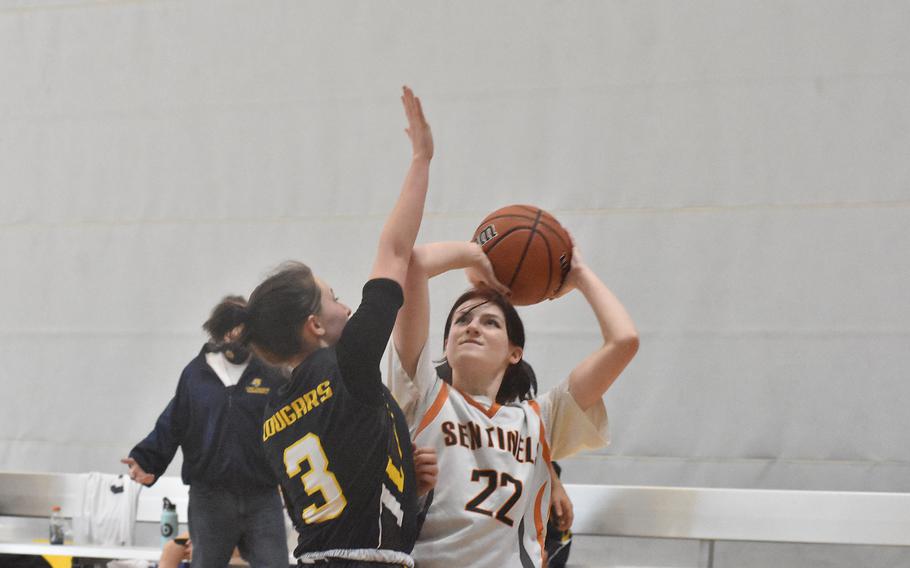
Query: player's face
x=478, y=340
x=333, y=315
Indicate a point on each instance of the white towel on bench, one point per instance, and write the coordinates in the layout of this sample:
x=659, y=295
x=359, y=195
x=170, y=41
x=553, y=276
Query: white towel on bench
x=109, y=508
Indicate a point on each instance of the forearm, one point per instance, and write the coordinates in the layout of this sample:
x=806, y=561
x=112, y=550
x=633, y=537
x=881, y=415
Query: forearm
x=596, y=373
x=396, y=240
x=411, y=327
x=434, y=259
x=156, y=451
x=616, y=325
x=400, y=229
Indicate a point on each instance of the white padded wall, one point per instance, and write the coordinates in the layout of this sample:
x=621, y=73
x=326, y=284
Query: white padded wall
x=736, y=171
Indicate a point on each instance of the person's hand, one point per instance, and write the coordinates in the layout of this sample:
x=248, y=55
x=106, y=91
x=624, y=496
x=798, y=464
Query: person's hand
x=173, y=553
x=578, y=265
x=481, y=275
x=138, y=474
x=426, y=469
x=561, y=505
x=418, y=130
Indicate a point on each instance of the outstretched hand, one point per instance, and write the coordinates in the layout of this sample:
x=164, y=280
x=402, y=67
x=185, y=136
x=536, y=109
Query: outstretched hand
x=418, y=130
x=138, y=474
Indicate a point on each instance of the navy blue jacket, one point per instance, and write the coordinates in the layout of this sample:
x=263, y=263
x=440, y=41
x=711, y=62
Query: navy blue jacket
x=219, y=429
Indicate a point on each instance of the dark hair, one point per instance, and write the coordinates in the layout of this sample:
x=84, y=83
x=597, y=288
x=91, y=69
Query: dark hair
x=519, y=382
x=278, y=308
x=228, y=314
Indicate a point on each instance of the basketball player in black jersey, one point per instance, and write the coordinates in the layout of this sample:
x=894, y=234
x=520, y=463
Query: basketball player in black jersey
x=335, y=436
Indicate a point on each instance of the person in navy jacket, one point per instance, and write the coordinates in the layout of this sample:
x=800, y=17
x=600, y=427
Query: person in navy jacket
x=216, y=417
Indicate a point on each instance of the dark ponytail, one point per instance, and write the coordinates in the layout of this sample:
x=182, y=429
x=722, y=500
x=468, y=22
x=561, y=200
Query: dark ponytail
x=278, y=309
x=230, y=312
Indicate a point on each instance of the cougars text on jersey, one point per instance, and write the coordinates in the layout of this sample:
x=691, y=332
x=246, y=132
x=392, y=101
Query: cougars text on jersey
x=289, y=413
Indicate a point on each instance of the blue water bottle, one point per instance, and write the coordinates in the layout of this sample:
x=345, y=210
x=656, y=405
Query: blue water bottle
x=168, y=521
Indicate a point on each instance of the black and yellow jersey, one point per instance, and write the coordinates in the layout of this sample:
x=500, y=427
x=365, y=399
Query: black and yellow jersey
x=339, y=443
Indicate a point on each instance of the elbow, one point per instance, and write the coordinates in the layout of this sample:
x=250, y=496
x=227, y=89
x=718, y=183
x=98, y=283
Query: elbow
x=417, y=257
x=417, y=263
x=413, y=274
x=627, y=344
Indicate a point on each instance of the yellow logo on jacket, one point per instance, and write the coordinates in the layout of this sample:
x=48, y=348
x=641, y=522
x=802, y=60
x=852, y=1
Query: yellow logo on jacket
x=255, y=387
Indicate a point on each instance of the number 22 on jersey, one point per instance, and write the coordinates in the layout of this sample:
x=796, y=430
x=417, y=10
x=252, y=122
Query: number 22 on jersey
x=495, y=479
x=319, y=479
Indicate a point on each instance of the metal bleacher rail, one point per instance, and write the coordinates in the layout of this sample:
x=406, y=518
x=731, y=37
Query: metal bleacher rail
x=751, y=515
x=700, y=514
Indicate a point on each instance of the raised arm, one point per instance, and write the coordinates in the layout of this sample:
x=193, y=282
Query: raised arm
x=427, y=261
x=596, y=373
x=400, y=230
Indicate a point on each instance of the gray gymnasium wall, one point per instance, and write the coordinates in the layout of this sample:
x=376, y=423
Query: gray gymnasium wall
x=737, y=171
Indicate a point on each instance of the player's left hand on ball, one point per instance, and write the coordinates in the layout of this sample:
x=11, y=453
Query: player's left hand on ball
x=426, y=469
x=578, y=264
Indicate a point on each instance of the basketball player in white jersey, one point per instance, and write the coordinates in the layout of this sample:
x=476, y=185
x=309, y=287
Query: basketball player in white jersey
x=493, y=440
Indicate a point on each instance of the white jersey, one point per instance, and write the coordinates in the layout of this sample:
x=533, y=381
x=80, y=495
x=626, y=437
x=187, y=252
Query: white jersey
x=492, y=497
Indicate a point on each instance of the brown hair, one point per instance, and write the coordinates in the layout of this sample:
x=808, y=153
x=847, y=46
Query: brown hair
x=228, y=314
x=278, y=309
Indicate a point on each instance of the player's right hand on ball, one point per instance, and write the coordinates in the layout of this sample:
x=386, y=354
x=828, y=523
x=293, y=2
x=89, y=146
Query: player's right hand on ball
x=138, y=474
x=426, y=469
x=480, y=273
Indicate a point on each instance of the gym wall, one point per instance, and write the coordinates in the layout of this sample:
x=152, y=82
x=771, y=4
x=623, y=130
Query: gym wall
x=736, y=171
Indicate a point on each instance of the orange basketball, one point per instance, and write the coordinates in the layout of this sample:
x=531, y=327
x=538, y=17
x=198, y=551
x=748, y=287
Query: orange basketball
x=530, y=251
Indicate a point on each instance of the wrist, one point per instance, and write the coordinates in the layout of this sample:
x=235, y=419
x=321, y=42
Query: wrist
x=583, y=277
x=474, y=257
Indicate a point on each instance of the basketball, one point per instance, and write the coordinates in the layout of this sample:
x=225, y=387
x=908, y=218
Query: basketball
x=530, y=251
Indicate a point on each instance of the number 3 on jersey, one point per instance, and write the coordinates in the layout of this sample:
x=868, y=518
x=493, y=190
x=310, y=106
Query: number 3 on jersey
x=317, y=480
